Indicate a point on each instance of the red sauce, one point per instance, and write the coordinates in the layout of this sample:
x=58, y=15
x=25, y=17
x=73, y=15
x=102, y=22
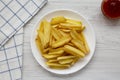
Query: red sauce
x=111, y=8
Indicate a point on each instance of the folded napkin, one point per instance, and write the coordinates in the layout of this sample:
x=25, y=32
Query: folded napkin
x=14, y=14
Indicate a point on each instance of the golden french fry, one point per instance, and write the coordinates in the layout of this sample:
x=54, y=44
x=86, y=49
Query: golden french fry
x=56, y=34
x=65, y=57
x=47, y=32
x=46, y=50
x=57, y=65
x=55, y=50
x=66, y=61
x=79, y=31
x=41, y=29
x=74, y=51
x=50, y=56
x=58, y=52
x=71, y=44
x=50, y=40
x=86, y=44
x=70, y=26
x=54, y=26
x=39, y=46
x=52, y=60
x=66, y=30
x=61, y=42
x=83, y=28
x=58, y=19
x=40, y=34
x=75, y=35
x=71, y=21
x=64, y=34
x=53, y=40
x=75, y=60
x=79, y=45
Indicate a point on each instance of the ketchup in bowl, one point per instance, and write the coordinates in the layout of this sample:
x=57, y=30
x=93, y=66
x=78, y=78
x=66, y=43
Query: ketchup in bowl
x=111, y=8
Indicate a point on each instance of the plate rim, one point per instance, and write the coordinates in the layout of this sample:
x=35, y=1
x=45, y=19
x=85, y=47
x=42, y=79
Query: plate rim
x=52, y=11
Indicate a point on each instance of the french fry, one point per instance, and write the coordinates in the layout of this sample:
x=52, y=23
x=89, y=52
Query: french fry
x=50, y=56
x=56, y=34
x=73, y=51
x=75, y=22
x=70, y=26
x=79, y=31
x=41, y=29
x=61, y=42
x=83, y=28
x=58, y=19
x=79, y=45
x=47, y=31
x=55, y=50
x=66, y=30
x=75, y=35
x=52, y=61
x=57, y=65
x=75, y=60
x=65, y=57
x=65, y=61
x=86, y=44
x=54, y=26
x=58, y=52
x=46, y=50
x=64, y=34
x=50, y=40
x=40, y=34
x=39, y=46
x=53, y=40
x=71, y=44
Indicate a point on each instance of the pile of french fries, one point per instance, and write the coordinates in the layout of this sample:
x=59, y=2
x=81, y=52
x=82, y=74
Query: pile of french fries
x=61, y=42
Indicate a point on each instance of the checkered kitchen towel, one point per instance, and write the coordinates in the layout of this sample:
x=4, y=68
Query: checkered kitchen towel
x=14, y=14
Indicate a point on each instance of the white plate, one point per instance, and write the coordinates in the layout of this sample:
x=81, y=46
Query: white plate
x=89, y=34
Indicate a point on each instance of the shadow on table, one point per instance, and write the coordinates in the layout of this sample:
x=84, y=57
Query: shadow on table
x=111, y=22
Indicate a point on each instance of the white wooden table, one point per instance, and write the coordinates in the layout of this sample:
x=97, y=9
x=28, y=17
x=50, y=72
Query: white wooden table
x=105, y=64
